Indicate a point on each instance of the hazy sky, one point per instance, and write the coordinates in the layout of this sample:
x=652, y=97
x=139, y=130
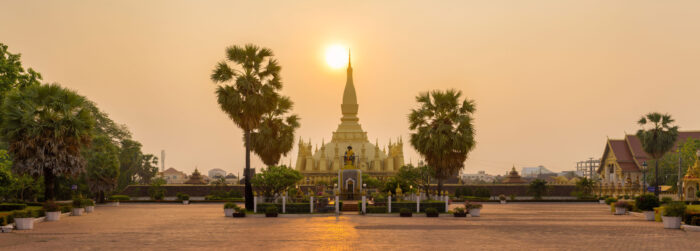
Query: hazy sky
x=551, y=79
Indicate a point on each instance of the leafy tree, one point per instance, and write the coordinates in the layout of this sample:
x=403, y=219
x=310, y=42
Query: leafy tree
x=46, y=126
x=274, y=180
x=107, y=127
x=370, y=181
x=418, y=177
x=657, y=139
x=157, y=191
x=538, y=188
x=147, y=169
x=252, y=95
x=443, y=131
x=584, y=188
x=275, y=128
x=668, y=164
x=102, y=166
x=6, y=177
x=130, y=158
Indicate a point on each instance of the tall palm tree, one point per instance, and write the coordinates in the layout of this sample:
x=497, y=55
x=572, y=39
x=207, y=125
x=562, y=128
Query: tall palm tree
x=46, y=126
x=443, y=131
x=657, y=139
x=275, y=128
x=252, y=94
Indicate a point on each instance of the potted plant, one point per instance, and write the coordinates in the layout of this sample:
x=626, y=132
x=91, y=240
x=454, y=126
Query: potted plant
x=601, y=200
x=502, y=198
x=239, y=212
x=673, y=213
x=460, y=212
x=6, y=224
x=185, y=198
x=647, y=203
x=620, y=207
x=78, y=207
x=117, y=198
x=431, y=212
x=23, y=220
x=271, y=211
x=229, y=207
x=53, y=211
x=405, y=212
x=512, y=197
x=610, y=200
x=89, y=205
x=473, y=208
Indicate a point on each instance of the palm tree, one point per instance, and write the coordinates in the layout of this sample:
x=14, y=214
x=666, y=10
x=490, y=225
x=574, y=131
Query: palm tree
x=658, y=139
x=444, y=134
x=538, y=188
x=46, y=126
x=275, y=128
x=252, y=94
x=102, y=166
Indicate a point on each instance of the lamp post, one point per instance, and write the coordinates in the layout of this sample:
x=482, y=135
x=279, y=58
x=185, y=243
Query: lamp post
x=680, y=184
x=644, y=180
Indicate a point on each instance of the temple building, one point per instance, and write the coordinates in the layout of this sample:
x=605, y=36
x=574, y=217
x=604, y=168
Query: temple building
x=691, y=180
x=322, y=164
x=196, y=178
x=620, y=167
x=513, y=178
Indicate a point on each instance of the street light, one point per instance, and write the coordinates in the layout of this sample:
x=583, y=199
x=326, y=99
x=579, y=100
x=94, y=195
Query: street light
x=644, y=180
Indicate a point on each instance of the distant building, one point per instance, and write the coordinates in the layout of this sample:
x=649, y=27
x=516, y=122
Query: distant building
x=513, y=178
x=530, y=172
x=231, y=179
x=586, y=168
x=479, y=177
x=196, y=178
x=172, y=176
x=216, y=173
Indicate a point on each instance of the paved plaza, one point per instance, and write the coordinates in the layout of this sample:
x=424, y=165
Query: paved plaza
x=515, y=226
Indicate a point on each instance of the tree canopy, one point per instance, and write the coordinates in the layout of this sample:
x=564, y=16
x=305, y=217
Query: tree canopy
x=274, y=180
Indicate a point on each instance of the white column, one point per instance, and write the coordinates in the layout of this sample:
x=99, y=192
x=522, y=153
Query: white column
x=284, y=203
x=337, y=207
x=389, y=201
x=255, y=204
x=311, y=204
x=446, y=203
x=417, y=204
x=364, y=201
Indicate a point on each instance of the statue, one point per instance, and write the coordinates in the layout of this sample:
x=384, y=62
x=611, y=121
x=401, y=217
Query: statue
x=349, y=157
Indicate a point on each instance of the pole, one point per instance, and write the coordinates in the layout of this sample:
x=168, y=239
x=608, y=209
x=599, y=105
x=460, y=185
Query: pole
x=680, y=184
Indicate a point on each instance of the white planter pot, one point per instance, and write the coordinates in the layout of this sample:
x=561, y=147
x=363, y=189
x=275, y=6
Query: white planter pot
x=24, y=223
x=186, y=202
x=475, y=212
x=649, y=215
x=89, y=209
x=503, y=202
x=228, y=212
x=53, y=216
x=601, y=201
x=620, y=210
x=669, y=222
x=115, y=204
x=6, y=229
x=78, y=211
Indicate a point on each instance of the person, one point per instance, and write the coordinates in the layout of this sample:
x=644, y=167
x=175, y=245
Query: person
x=349, y=156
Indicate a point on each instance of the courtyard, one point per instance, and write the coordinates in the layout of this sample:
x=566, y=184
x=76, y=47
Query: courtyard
x=514, y=226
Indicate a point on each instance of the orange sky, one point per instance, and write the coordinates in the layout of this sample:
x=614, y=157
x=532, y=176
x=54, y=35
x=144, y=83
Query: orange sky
x=551, y=79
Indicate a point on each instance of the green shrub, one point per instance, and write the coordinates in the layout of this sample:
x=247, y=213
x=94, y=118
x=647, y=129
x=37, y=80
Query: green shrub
x=405, y=211
x=376, y=209
x=647, y=202
x=12, y=206
x=51, y=206
x=458, y=192
x=610, y=200
x=7, y=220
x=482, y=193
x=66, y=208
x=431, y=210
x=119, y=197
x=624, y=204
x=697, y=194
x=675, y=209
x=230, y=205
x=183, y=196
x=472, y=205
x=512, y=197
x=502, y=197
x=22, y=214
x=666, y=200
x=88, y=202
x=460, y=210
x=627, y=197
x=271, y=210
x=38, y=213
x=78, y=203
x=467, y=192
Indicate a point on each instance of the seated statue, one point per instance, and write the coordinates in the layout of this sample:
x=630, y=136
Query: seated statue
x=349, y=157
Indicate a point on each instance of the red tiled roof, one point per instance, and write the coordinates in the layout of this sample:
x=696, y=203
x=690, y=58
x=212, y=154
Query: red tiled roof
x=630, y=154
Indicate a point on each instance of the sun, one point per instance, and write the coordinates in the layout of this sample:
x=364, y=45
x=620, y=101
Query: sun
x=336, y=56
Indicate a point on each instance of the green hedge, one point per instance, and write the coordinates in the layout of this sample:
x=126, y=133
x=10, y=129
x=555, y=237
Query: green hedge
x=291, y=208
x=376, y=210
x=118, y=197
x=396, y=206
x=12, y=206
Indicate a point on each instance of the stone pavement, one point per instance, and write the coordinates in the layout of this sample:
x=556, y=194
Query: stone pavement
x=514, y=226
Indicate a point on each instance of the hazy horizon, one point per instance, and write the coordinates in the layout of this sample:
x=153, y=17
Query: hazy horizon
x=551, y=79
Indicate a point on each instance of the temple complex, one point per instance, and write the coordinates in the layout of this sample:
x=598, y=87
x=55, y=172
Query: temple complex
x=196, y=178
x=323, y=164
x=513, y=178
x=691, y=180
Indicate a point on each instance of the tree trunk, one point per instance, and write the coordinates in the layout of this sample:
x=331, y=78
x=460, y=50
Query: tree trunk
x=49, y=181
x=248, y=188
x=656, y=186
x=439, y=187
x=101, y=197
